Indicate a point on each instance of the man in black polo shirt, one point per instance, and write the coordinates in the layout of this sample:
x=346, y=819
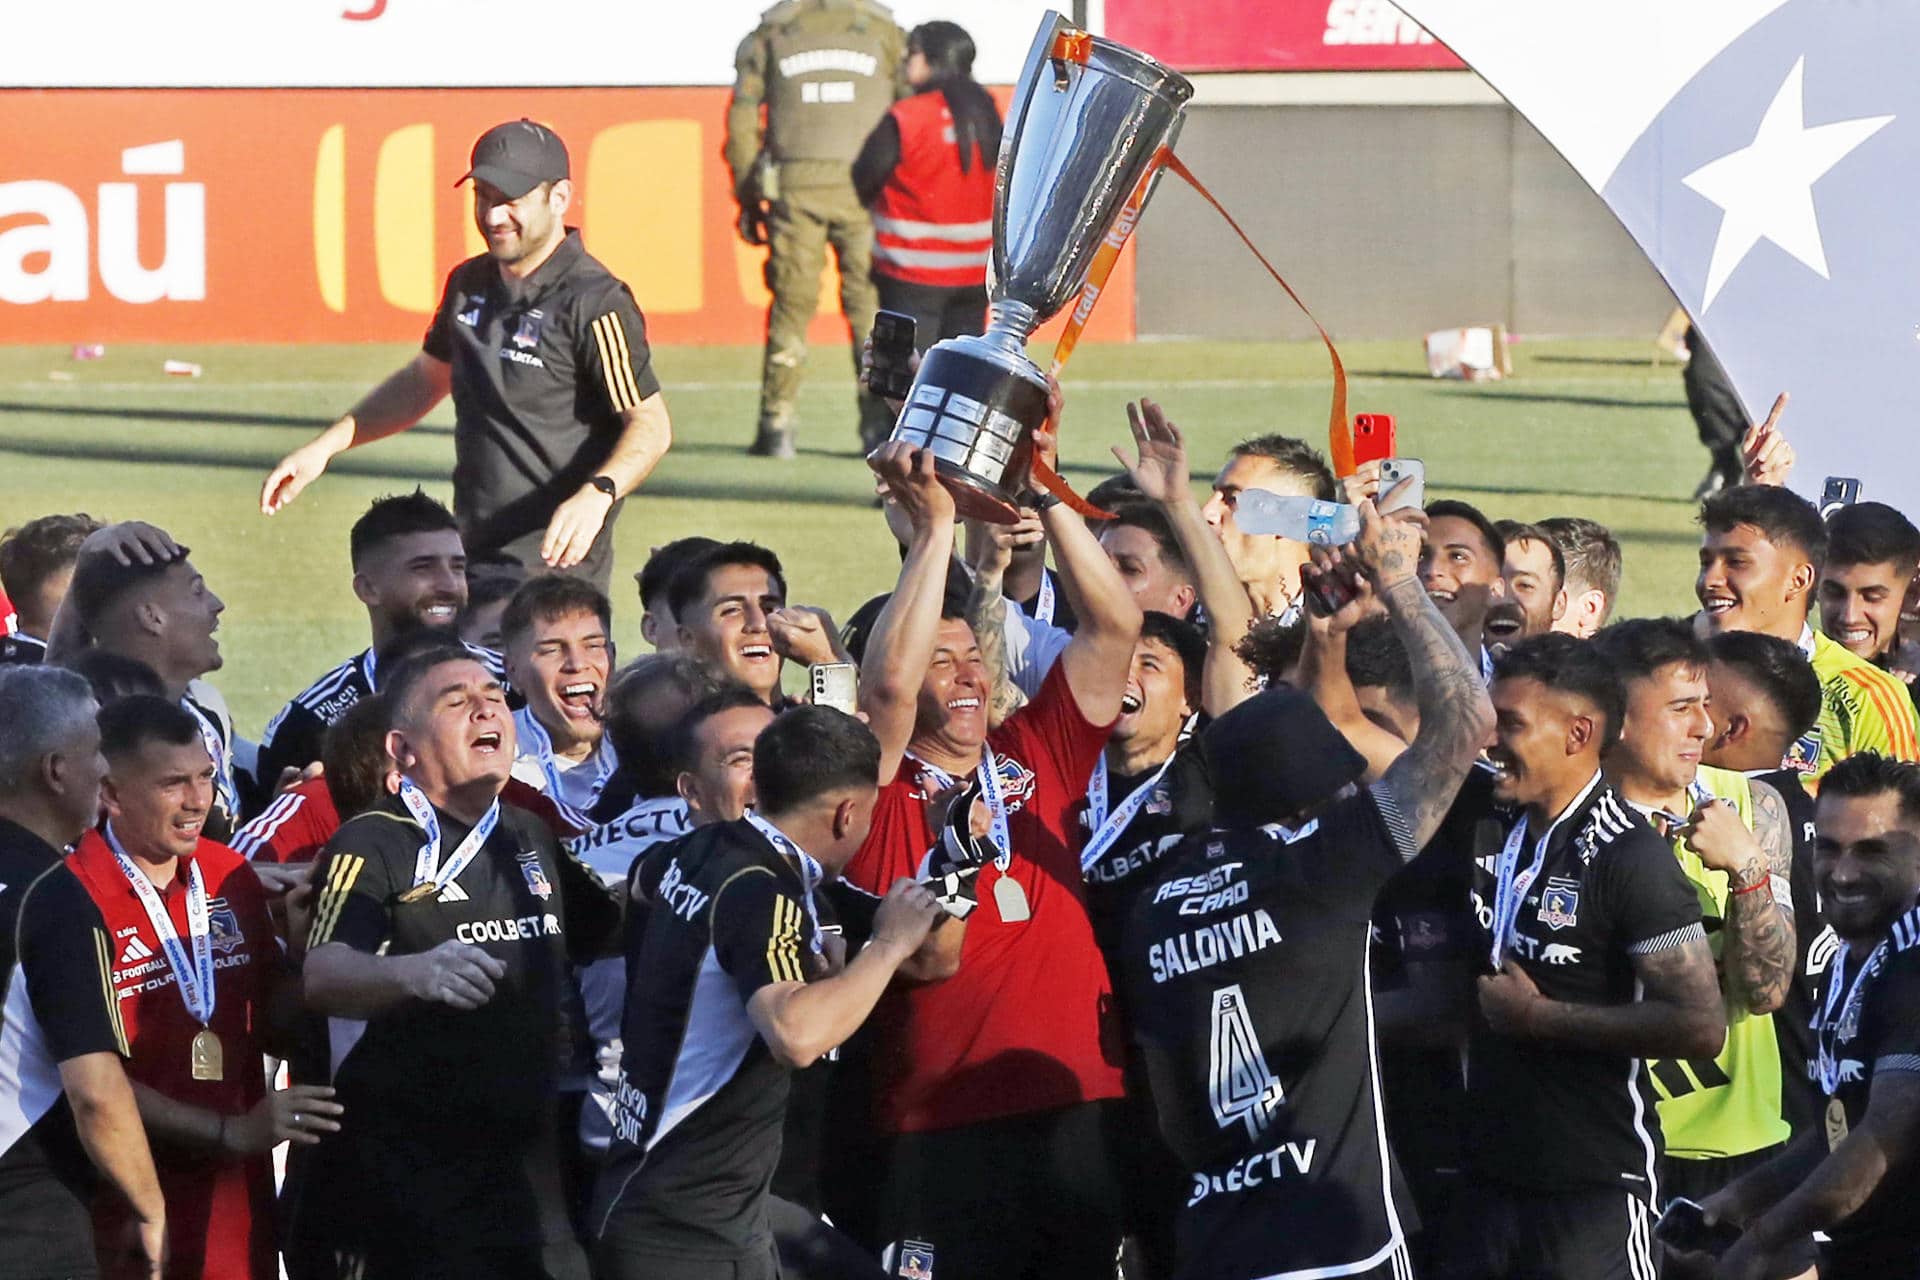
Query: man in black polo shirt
x=410, y=571
x=732, y=986
x=64, y=1094
x=557, y=413
x=441, y=939
x=1853, y=1176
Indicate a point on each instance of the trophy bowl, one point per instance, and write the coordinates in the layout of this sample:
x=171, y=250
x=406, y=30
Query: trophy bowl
x=1087, y=120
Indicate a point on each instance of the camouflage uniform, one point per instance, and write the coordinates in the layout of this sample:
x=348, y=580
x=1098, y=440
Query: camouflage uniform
x=826, y=71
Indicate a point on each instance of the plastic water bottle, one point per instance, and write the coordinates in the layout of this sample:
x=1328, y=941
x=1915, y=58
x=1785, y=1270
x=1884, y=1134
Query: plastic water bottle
x=1302, y=519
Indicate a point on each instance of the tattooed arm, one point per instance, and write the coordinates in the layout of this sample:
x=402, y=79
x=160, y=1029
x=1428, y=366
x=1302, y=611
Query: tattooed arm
x=1757, y=955
x=1456, y=717
x=987, y=615
x=1679, y=1014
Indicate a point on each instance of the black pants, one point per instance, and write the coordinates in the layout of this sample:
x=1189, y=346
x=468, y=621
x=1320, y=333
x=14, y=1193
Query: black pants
x=1718, y=416
x=613, y=1263
x=1497, y=1233
x=1034, y=1197
x=1695, y=1180
x=937, y=312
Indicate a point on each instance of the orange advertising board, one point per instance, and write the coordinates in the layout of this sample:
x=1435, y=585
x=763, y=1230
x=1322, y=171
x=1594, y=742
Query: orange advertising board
x=321, y=215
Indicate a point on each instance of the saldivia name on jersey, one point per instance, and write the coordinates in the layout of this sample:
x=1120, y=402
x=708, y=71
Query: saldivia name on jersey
x=1216, y=942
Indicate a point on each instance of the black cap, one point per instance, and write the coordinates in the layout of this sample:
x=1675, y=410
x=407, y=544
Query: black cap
x=1275, y=756
x=518, y=156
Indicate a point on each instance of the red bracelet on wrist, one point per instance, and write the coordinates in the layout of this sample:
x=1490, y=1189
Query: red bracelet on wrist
x=1761, y=883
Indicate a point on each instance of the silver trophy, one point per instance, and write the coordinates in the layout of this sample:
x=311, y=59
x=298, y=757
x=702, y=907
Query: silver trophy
x=1081, y=133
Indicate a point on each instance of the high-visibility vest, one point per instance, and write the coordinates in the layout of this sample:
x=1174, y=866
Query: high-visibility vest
x=933, y=224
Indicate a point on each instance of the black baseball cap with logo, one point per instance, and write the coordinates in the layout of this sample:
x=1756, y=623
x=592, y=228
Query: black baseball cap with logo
x=516, y=157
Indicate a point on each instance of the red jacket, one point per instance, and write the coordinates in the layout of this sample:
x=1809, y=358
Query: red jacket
x=933, y=224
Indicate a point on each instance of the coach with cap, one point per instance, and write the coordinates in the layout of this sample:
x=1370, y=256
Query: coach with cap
x=557, y=413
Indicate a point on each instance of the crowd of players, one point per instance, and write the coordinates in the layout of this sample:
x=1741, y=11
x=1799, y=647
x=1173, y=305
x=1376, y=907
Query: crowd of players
x=1182, y=900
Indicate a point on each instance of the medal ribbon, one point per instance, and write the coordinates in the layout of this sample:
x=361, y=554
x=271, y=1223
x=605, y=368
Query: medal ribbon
x=1043, y=607
x=540, y=744
x=193, y=973
x=1107, y=828
x=1826, y=1026
x=427, y=867
x=217, y=750
x=811, y=872
x=1511, y=884
x=989, y=778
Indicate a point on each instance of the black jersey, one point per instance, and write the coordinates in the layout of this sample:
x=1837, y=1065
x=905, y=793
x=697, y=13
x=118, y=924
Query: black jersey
x=701, y=1101
x=1180, y=804
x=1551, y=1117
x=59, y=1004
x=1423, y=917
x=542, y=370
x=1868, y=1018
x=1801, y=1101
x=1244, y=973
x=293, y=737
x=449, y=1128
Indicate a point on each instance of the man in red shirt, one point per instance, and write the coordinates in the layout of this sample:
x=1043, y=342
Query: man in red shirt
x=195, y=966
x=995, y=1086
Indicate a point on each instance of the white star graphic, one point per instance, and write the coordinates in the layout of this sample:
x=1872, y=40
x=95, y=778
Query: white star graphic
x=1766, y=189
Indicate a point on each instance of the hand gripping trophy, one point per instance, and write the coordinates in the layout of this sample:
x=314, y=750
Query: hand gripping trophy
x=1087, y=122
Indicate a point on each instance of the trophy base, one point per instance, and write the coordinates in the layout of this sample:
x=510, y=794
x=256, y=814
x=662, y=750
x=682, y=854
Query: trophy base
x=975, y=405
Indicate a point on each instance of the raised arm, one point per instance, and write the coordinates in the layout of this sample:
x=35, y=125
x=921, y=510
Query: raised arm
x=988, y=554
x=396, y=404
x=1162, y=474
x=900, y=646
x=1101, y=651
x=1456, y=717
x=1323, y=674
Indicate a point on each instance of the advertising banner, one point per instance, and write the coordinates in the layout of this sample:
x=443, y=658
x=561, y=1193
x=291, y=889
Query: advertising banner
x=1279, y=35
x=302, y=215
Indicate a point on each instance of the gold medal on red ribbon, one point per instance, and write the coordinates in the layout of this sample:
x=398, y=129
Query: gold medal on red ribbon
x=1836, y=1123
x=209, y=1060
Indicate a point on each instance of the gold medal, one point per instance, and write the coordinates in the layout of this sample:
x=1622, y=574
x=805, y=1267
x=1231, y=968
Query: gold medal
x=1011, y=900
x=1836, y=1123
x=209, y=1060
x=420, y=892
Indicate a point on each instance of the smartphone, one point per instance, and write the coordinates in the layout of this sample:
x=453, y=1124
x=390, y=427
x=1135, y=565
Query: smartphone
x=1372, y=437
x=890, y=376
x=1326, y=593
x=1393, y=471
x=1683, y=1227
x=1839, y=491
x=836, y=685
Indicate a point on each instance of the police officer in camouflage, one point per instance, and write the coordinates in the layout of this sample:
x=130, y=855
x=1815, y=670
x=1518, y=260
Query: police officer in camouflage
x=825, y=70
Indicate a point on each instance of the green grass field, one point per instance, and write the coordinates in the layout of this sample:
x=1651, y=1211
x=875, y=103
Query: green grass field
x=1583, y=427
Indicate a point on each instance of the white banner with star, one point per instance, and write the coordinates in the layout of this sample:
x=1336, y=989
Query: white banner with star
x=1765, y=154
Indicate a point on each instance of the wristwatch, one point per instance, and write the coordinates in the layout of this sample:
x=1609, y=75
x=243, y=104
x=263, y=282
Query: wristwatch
x=1047, y=500
x=606, y=485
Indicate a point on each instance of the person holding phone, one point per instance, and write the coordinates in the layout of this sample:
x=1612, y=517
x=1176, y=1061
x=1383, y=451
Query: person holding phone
x=926, y=172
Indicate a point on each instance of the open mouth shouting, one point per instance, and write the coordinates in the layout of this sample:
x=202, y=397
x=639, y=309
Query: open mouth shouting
x=1130, y=702
x=487, y=745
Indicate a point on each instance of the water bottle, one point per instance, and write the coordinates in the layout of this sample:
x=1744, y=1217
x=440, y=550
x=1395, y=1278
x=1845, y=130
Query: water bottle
x=1302, y=519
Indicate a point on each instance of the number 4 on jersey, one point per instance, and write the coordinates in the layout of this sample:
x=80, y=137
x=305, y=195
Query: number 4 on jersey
x=1242, y=1087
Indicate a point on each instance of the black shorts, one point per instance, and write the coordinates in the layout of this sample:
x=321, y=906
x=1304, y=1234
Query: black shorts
x=1035, y=1197
x=1497, y=1233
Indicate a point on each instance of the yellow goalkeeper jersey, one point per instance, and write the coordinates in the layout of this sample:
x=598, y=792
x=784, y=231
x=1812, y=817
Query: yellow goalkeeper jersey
x=1862, y=708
